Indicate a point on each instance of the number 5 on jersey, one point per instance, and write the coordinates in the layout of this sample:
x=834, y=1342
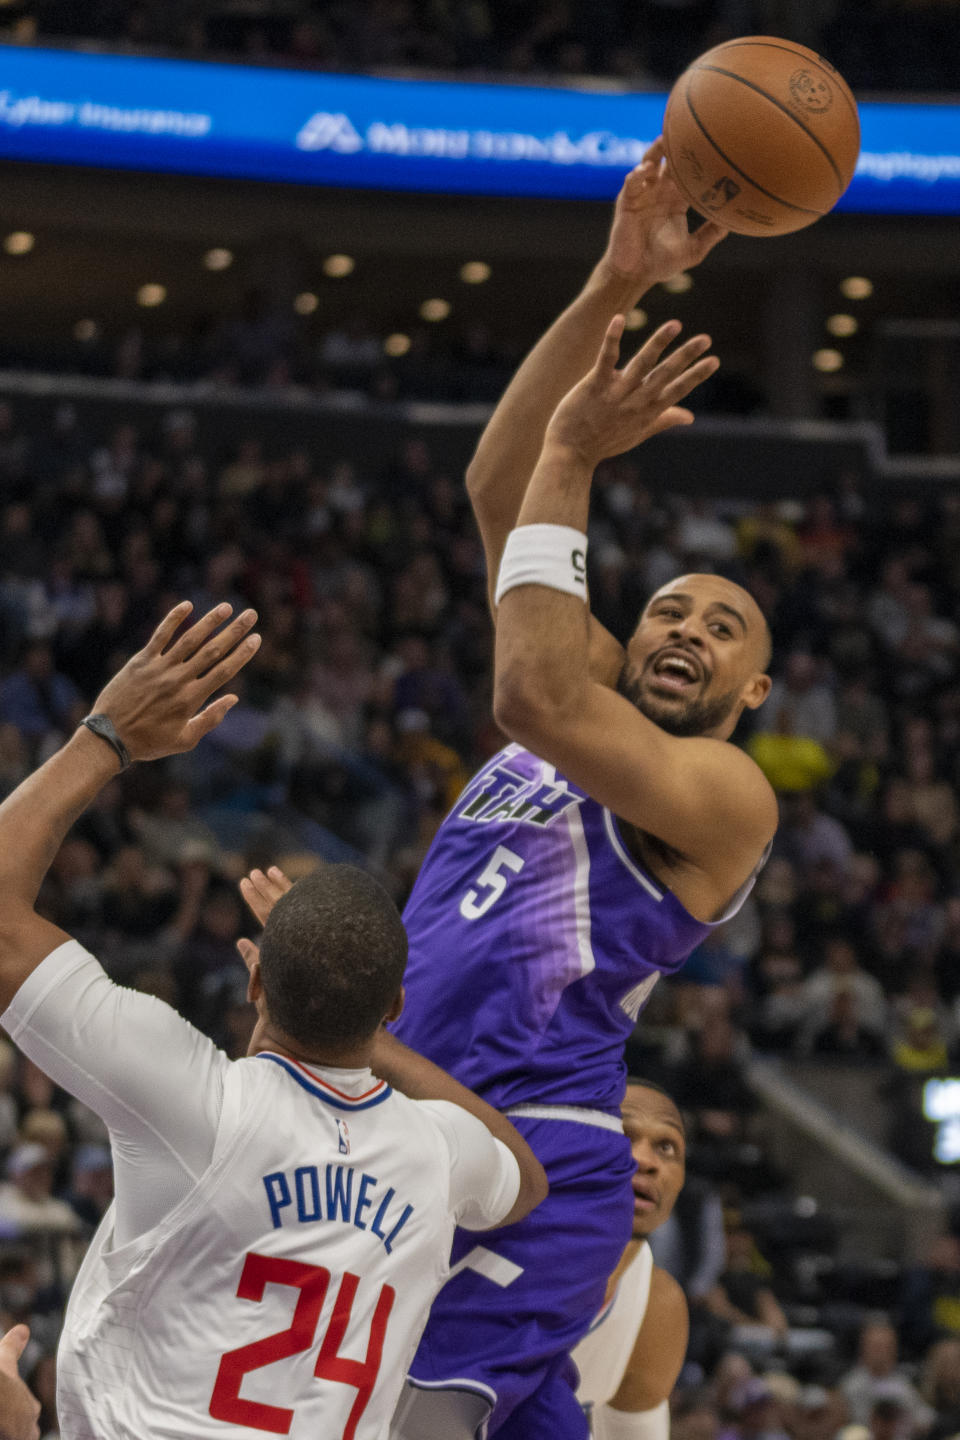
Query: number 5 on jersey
x=493, y=880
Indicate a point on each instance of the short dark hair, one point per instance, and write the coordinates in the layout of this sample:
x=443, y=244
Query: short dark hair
x=332, y=957
x=640, y=1082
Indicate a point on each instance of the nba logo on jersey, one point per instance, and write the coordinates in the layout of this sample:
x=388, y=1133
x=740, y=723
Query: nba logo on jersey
x=344, y=1134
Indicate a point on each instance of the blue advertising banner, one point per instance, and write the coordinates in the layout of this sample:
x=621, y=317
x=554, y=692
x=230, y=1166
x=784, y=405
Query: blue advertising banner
x=316, y=129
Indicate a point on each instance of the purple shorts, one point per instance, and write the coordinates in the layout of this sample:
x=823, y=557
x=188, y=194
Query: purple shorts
x=503, y=1325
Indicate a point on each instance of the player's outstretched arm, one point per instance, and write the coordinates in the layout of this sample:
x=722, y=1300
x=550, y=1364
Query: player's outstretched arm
x=18, y=1408
x=649, y=242
x=701, y=796
x=410, y=1073
x=158, y=705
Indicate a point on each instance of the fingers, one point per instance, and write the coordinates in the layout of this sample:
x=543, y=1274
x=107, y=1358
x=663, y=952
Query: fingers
x=211, y=676
x=209, y=718
x=690, y=379
x=655, y=153
x=167, y=628
x=610, y=348
x=12, y=1347
x=650, y=353
x=676, y=415
x=194, y=638
x=668, y=380
x=704, y=239
x=216, y=646
x=249, y=953
x=259, y=906
x=262, y=891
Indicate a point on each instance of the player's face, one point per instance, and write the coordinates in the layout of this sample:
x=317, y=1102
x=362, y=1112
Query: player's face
x=652, y=1124
x=697, y=656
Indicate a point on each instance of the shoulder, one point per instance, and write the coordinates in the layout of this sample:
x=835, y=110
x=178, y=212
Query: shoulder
x=739, y=785
x=667, y=1311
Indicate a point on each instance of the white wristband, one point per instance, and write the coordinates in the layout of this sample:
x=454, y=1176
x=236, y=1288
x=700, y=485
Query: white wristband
x=610, y=1424
x=551, y=555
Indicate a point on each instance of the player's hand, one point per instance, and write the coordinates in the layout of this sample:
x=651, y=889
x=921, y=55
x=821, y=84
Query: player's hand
x=261, y=889
x=156, y=700
x=610, y=410
x=18, y=1408
x=650, y=240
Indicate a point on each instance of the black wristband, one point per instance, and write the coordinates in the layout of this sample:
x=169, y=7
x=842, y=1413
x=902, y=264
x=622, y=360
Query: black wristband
x=103, y=726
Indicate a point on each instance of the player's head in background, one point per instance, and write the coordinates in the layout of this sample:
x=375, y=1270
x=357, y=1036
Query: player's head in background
x=654, y=1126
x=698, y=657
x=332, y=957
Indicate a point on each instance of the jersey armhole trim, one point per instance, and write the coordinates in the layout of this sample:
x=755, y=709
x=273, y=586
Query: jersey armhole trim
x=626, y=859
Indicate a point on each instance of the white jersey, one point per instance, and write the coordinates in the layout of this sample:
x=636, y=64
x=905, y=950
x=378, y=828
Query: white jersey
x=285, y=1289
x=604, y=1352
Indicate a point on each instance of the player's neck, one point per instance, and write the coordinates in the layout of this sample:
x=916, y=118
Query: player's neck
x=343, y=1057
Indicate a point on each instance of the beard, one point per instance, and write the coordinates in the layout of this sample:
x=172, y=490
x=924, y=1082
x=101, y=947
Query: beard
x=693, y=717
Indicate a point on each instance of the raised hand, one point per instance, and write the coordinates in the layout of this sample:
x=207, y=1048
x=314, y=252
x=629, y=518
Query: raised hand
x=155, y=700
x=650, y=239
x=261, y=890
x=610, y=410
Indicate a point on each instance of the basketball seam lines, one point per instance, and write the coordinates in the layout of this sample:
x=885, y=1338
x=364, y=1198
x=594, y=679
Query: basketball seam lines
x=803, y=209
x=732, y=75
x=831, y=74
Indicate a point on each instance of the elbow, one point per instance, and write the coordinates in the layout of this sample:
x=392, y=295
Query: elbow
x=476, y=479
x=514, y=708
x=524, y=708
x=534, y=1189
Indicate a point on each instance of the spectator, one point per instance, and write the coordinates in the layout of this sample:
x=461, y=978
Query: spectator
x=940, y=1388
x=842, y=1034
x=800, y=703
x=877, y=1377
x=842, y=973
x=743, y=1295
x=42, y=703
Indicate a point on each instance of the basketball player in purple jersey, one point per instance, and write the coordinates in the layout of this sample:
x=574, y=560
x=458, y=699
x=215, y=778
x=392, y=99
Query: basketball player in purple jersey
x=592, y=854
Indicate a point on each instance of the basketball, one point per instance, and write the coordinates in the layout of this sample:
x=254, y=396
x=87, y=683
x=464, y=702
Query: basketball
x=762, y=135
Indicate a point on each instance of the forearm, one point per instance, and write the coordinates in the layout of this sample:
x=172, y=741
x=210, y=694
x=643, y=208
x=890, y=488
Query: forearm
x=415, y=1076
x=35, y=818
x=498, y=475
x=542, y=642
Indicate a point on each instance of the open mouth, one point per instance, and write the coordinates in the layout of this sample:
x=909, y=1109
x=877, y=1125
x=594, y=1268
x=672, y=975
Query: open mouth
x=645, y=1199
x=676, y=671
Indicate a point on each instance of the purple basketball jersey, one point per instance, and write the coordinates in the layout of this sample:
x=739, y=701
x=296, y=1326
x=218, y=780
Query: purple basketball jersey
x=535, y=939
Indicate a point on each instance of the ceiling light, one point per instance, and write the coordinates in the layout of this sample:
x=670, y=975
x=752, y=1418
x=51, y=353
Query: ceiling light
x=827, y=361
x=338, y=266
x=434, y=310
x=635, y=319
x=475, y=272
x=306, y=303
x=86, y=330
x=218, y=258
x=151, y=294
x=19, y=242
x=678, y=284
x=856, y=287
x=397, y=344
x=842, y=326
